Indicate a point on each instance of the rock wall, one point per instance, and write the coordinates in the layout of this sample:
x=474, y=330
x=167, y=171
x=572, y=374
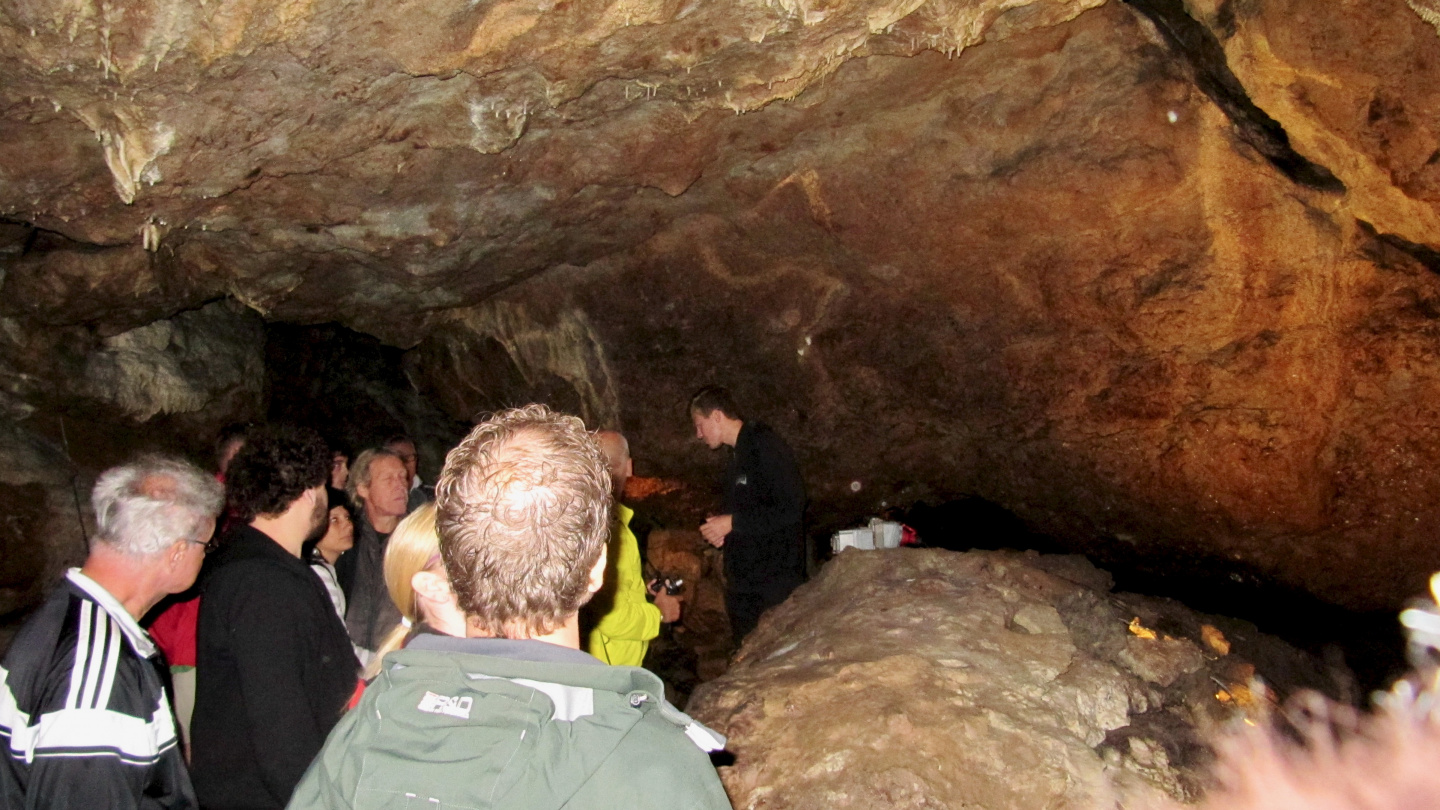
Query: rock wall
x=1158, y=276
x=84, y=400
x=983, y=680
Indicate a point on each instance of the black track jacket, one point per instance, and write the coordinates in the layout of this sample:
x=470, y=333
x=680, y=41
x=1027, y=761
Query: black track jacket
x=83, y=714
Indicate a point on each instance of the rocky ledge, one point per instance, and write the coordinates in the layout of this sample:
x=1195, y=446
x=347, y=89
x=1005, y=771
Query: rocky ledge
x=985, y=680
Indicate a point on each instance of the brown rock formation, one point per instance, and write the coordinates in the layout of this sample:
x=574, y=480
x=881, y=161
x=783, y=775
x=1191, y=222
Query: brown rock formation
x=1156, y=275
x=983, y=680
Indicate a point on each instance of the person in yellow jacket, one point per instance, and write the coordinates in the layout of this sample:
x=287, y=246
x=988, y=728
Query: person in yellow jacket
x=624, y=619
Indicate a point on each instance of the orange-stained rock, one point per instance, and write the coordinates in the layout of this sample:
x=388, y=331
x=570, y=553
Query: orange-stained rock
x=704, y=627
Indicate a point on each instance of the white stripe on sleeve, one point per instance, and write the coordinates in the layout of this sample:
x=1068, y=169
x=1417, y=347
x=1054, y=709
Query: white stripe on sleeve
x=82, y=654
x=113, y=643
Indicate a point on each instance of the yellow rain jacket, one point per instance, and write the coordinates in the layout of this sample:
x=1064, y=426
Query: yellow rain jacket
x=625, y=620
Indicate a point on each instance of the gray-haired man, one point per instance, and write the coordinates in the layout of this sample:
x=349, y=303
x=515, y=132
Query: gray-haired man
x=83, y=713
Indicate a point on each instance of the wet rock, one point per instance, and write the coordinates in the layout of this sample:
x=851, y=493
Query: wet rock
x=198, y=360
x=926, y=678
x=45, y=504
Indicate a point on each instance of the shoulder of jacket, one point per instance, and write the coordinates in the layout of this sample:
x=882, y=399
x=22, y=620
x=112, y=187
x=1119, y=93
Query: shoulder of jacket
x=241, y=573
x=704, y=738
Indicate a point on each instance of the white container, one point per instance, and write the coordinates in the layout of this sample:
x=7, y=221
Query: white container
x=886, y=532
x=852, y=538
x=879, y=534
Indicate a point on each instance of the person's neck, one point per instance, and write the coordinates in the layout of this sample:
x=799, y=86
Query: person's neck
x=329, y=555
x=383, y=524
x=283, y=530
x=449, y=621
x=732, y=431
x=130, y=584
x=566, y=635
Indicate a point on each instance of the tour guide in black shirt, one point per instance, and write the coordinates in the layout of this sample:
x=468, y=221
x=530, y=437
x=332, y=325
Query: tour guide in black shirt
x=765, y=505
x=275, y=667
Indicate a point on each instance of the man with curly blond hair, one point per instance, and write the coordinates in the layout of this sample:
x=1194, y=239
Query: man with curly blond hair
x=515, y=715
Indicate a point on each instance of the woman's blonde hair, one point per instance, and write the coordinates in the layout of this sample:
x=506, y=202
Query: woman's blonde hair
x=413, y=547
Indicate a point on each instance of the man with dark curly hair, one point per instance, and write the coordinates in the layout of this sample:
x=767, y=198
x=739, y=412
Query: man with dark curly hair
x=515, y=715
x=275, y=666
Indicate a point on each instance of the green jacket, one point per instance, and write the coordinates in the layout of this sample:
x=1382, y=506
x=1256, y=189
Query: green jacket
x=626, y=620
x=496, y=723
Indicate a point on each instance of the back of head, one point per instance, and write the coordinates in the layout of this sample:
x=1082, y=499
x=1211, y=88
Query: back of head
x=143, y=507
x=274, y=467
x=413, y=547
x=713, y=398
x=524, y=513
x=398, y=441
x=227, y=441
x=617, y=458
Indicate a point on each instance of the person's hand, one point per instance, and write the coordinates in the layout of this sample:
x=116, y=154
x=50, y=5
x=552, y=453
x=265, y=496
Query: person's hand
x=669, y=607
x=716, y=529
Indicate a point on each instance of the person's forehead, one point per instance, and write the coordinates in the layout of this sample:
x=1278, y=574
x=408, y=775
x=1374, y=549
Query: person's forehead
x=384, y=464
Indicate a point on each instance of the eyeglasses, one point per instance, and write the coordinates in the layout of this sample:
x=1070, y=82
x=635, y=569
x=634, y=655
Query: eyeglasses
x=210, y=545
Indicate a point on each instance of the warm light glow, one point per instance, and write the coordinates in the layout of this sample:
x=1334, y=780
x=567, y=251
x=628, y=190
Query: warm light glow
x=1215, y=640
x=1140, y=630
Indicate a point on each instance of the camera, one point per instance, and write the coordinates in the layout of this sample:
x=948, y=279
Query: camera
x=671, y=586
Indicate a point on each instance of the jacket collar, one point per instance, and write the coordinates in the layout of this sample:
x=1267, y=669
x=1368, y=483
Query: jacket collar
x=247, y=542
x=568, y=677
x=139, y=639
x=540, y=652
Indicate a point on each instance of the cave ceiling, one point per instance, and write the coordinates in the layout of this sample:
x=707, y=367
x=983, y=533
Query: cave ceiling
x=1154, y=275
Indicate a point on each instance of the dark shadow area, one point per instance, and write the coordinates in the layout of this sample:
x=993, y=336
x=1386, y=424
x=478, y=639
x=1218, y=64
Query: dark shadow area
x=1371, y=644
x=354, y=391
x=1384, y=248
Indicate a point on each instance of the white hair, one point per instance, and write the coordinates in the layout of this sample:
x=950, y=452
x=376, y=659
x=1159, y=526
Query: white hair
x=144, y=507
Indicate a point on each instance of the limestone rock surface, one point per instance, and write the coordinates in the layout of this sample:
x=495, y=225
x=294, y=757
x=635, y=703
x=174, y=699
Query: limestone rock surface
x=988, y=680
x=1158, y=276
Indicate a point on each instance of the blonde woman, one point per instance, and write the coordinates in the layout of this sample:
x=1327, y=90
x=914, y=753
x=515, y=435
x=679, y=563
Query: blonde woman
x=418, y=585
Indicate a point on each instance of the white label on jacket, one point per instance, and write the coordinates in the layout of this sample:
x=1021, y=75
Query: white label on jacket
x=440, y=704
x=742, y=481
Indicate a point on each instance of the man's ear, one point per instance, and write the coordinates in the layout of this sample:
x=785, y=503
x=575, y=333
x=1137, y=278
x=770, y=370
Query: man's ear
x=175, y=555
x=597, y=571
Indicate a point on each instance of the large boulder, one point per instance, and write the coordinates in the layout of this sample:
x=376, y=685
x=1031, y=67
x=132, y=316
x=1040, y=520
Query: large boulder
x=986, y=680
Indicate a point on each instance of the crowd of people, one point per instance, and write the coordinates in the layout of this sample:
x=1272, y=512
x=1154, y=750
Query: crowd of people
x=329, y=633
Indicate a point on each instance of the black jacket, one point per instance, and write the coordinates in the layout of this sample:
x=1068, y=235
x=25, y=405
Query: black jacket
x=83, y=716
x=274, y=672
x=765, y=498
x=370, y=613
